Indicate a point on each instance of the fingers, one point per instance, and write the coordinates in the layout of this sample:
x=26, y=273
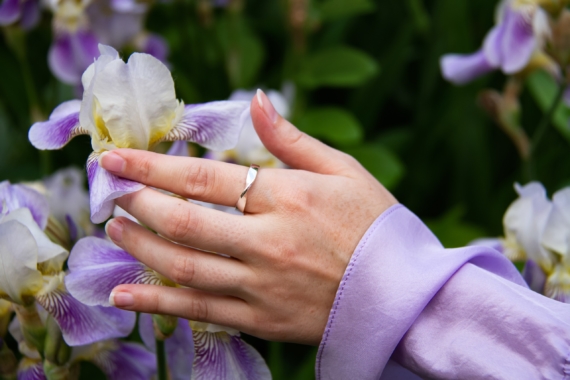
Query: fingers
x=190, y=224
x=199, y=179
x=184, y=266
x=182, y=302
x=293, y=147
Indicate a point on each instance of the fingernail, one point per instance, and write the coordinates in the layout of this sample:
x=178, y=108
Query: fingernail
x=267, y=106
x=112, y=162
x=114, y=229
x=121, y=299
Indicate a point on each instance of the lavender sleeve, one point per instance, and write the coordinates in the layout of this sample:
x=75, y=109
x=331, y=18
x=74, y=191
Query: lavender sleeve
x=407, y=307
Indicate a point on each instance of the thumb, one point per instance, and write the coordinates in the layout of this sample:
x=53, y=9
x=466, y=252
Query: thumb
x=295, y=148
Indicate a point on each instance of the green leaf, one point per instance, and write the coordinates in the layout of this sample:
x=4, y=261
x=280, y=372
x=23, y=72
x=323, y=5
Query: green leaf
x=452, y=231
x=334, y=9
x=334, y=125
x=380, y=162
x=543, y=89
x=339, y=66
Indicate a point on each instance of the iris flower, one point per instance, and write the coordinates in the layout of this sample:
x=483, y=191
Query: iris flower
x=32, y=271
x=249, y=149
x=26, y=12
x=133, y=105
x=208, y=352
x=521, y=31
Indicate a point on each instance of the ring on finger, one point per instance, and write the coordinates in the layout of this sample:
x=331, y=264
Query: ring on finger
x=250, y=179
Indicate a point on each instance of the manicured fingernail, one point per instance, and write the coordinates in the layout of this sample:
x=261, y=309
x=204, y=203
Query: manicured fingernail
x=267, y=106
x=121, y=299
x=112, y=162
x=114, y=229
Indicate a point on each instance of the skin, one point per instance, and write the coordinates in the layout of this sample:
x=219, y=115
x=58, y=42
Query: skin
x=288, y=253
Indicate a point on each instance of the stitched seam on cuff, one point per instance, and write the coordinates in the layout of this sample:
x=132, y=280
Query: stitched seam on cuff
x=345, y=279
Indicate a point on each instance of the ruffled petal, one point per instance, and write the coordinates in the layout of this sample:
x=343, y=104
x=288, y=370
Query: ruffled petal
x=31, y=369
x=31, y=13
x=120, y=360
x=556, y=235
x=215, y=125
x=10, y=12
x=19, y=277
x=62, y=126
x=223, y=356
x=461, y=69
x=71, y=54
x=179, y=347
x=518, y=42
x=82, y=324
x=45, y=250
x=98, y=261
x=104, y=188
x=20, y=196
x=137, y=101
x=494, y=243
x=534, y=276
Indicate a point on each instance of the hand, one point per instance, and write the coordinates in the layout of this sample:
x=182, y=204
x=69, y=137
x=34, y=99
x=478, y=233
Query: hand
x=287, y=254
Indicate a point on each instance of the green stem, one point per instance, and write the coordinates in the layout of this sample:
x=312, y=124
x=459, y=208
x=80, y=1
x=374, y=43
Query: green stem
x=529, y=165
x=276, y=360
x=161, y=360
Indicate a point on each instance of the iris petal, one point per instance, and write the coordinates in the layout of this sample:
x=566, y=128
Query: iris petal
x=214, y=125
x=10, y=12
x=82, y=324
x=71, y=54
x=220, y=355
x=518, y=41
x=534, y=276
x=98, y=261
x=31, y=369
x=20, y=196
x=104, y=188
x=461, y=69
x=31, y=13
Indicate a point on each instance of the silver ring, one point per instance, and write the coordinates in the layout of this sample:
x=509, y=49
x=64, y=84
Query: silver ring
x=250, y=179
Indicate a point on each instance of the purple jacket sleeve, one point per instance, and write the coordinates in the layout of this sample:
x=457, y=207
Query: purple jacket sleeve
x=442, y=313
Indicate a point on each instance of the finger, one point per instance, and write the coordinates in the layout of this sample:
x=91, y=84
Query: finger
x=192, y=225
x=293, y=147
x=183, y=302
x=184, y=266
x=195, y=178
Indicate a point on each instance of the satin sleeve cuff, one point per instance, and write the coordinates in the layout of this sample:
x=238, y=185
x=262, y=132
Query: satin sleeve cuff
x=397, y=269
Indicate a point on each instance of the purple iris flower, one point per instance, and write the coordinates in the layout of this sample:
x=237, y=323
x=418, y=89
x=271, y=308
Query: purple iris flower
x=209, y=352
x=33, y=272
x=71, y=53
x=509, y=46
x=133, y=105
x=26, y=12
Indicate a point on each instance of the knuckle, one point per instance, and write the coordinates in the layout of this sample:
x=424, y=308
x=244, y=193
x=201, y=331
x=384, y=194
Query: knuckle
x=200, y=180
x=295, y=137
x=299, y=197
x=199, y=309
x=143, y=167
x=184, y=270
x=183, y=225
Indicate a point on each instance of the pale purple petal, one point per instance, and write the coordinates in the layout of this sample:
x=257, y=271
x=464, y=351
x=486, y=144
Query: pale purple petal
x=179, y=148
x=98, y=261
x=82, y=324
x=496, y=244
x=126, y=361
x=20, y=196
x=215, y=125
x=71, y=54
x=179, y=347
x=461, y=69
x=104, y=188
x=31, y=13
x=492, y=47
x=518, y=42
x=226, y=357
x=31, y=369
x=116, y=23
x=62, y=126
x=534, y=276
x=10, y=12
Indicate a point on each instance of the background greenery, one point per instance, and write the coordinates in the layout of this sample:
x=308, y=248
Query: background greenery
x=367, y=81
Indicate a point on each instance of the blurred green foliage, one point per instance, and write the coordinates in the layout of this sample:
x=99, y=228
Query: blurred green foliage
x=367, y=81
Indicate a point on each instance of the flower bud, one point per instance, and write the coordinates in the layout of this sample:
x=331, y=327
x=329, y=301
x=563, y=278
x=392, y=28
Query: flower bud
x=56, y=350
x=32, y=326
x=53, y=371
x=164, y=326
x=8, y=362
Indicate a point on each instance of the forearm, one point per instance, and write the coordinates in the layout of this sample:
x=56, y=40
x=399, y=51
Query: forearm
x=403, y=290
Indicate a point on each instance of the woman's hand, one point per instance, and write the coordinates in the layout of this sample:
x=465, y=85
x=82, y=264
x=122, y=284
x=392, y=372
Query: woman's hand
x=287, y=254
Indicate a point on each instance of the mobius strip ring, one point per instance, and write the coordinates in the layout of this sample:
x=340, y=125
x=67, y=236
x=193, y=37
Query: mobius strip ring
x=250, y=179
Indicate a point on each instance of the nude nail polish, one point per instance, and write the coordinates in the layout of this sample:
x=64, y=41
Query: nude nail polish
x=267, y=107
x=121, y=299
